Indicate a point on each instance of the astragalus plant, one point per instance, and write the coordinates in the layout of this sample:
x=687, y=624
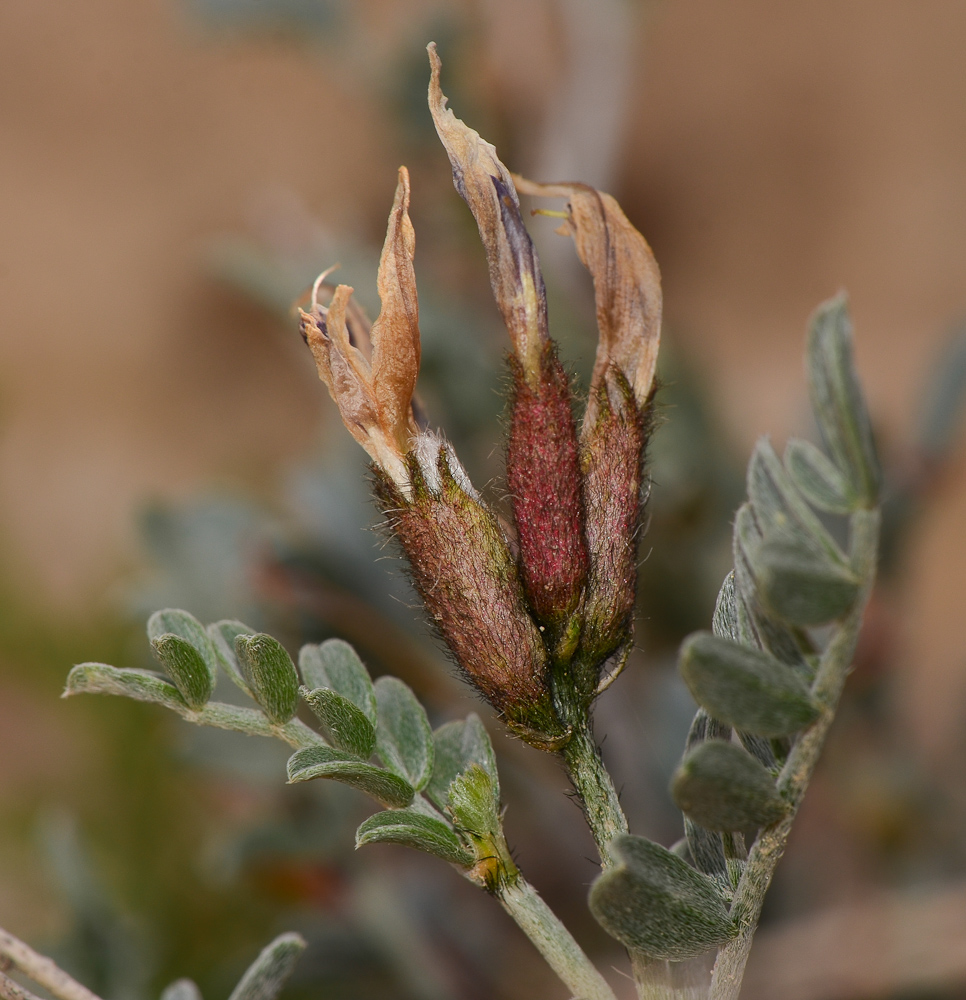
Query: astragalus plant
x=538, y=614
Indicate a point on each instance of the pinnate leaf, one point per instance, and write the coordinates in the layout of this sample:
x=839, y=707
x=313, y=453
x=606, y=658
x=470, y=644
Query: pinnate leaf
x=653, y=901
x=270, y=674
x=404, y=739
x=336, y=665
x=386, y=788
x=719, y=786
x=413, y=829
x=267, y=974
x=745, y=688
x=457, y=745
x=345, y=725
x=185, y=666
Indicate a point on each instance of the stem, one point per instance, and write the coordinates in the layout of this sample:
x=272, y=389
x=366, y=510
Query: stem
x=595, y=789
x=794, y=778
x=554, y=942
x=14, y=954
x=9, y=990
x=252, y=722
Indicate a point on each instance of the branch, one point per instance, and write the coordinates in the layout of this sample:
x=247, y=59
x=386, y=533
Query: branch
x=770, y=845
x=14, y=954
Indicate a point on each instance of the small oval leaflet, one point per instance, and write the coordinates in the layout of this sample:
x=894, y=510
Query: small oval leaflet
x=335, y=664
x=654, y=902
x=721, y=787
x=745, y=688
x=345, y=725
x=130, y=682
x=800, y=586
x=837, y=400
x=185, y=666
x=178, y=622
x=267, y=974
x=404, y=739
x=457, y=745
x=416, y=830
x=223, y=635
x=818, y=478
x=386, y=788
x=270, y=673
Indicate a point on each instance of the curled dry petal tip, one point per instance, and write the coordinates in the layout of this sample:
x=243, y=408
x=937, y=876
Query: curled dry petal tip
x=486, y=186
x=627, y=288
x=374, y=395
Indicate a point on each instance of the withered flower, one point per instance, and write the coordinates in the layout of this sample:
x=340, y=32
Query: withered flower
x=374, y=395
x=531, y=631
x=460, y=561
x=627, y=290
x=543, y=474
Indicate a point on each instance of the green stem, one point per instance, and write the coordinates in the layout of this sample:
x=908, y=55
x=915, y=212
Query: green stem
x=251, y=721
x=595, y=789
x=768, y=848
x=553, y=941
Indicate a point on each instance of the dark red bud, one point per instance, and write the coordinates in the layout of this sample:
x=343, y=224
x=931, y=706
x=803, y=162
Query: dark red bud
x=543, y=476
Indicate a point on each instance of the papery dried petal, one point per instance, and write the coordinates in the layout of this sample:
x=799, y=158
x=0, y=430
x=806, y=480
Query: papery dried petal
x=487, y=187
x=395, y=334
x=375, y=397
x=627, y=287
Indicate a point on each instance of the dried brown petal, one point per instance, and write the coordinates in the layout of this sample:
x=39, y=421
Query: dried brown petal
x=627, y=287
x=375, y=398
x=395, y=334
x=487, y=187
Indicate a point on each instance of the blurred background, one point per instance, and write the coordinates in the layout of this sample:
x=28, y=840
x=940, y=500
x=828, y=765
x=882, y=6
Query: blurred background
x=174, y=173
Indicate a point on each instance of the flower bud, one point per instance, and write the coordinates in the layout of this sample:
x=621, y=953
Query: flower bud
x=543, y=477
x=462, y=568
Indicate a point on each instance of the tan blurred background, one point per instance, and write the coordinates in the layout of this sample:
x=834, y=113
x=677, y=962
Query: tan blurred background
x=771, y=153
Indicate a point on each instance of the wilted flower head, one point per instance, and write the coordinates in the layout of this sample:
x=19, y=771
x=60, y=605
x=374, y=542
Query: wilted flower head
x=531, y=630
x=374, y=393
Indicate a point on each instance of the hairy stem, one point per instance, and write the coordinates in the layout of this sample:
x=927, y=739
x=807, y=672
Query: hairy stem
x=14, y=954
x=770, y=845
x=595, y=789
x=553, y=941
